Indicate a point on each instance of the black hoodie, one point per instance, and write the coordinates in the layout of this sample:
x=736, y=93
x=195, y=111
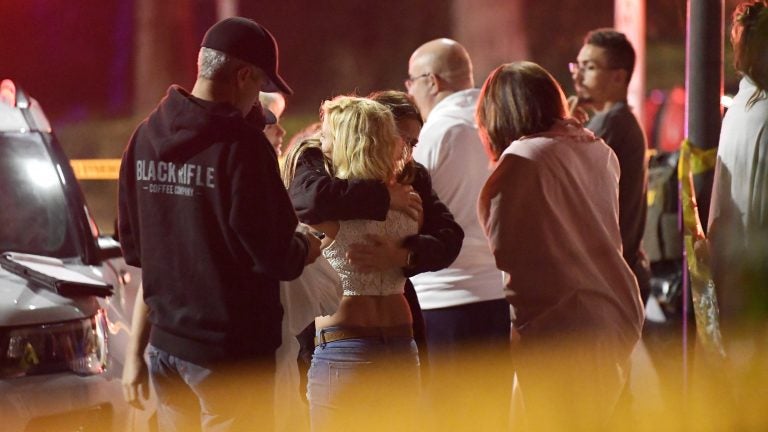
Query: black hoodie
x=203, y=212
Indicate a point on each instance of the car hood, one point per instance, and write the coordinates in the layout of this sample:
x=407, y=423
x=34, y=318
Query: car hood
x=24, y=304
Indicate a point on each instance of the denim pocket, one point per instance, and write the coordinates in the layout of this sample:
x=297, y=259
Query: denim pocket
x=347, y=379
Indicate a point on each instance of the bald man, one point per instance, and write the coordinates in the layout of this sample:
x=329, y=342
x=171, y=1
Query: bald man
x=464, y=303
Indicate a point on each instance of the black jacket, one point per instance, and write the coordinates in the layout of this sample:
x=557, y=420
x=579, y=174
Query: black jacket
x=203, y=212
x=318, y=197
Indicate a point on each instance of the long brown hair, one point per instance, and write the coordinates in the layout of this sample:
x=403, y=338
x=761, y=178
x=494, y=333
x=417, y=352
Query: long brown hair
x=517, y=99
x=749, y=36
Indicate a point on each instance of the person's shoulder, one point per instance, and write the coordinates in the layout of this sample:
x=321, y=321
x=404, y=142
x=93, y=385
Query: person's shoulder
x=513, y=165
x=311, y=154
x=608, y=120
x=250, y=144
x=533, y=148
x=420, y=169
x=617, y=126
x=140, y=131
x=627, y=121
x=421, y=177
x=140, y=142
x=449, y=131
x=448, y=114
x=454, y=118
x=621, y=116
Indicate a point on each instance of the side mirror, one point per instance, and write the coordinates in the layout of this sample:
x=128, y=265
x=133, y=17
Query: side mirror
x=109, y=248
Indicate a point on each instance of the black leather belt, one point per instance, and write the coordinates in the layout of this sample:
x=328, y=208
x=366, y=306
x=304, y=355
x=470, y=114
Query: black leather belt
x=382, y=333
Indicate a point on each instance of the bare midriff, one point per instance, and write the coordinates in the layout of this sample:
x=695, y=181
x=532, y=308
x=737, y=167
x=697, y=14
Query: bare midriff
x=369, y=311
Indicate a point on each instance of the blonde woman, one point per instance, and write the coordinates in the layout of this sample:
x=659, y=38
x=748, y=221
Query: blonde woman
x=372, y=330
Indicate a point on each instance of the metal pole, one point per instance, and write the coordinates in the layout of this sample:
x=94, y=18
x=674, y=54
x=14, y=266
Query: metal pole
x=703, y=114
x=704, y=82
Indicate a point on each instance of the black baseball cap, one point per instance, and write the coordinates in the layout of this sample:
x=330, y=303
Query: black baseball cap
x=247, y=40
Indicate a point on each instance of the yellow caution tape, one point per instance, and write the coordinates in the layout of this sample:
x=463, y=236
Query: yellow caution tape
x=702, y=160
x=96, y=169
x=692, y=229
x=694, y=161
x=691, y=222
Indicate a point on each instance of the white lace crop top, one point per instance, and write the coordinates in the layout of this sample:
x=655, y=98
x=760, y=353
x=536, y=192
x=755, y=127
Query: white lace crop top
x=397, y=225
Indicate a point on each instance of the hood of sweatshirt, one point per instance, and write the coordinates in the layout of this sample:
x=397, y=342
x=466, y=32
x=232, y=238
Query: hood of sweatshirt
x=183, y=125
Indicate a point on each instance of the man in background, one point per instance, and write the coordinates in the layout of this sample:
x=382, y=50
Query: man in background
x=601, y=76
x=465, y=312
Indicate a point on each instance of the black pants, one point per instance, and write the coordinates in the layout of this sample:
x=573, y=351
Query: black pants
x=470, y=367
x=450, y=329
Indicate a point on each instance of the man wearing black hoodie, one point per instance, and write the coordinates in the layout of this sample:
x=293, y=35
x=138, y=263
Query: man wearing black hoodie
x=203, y=212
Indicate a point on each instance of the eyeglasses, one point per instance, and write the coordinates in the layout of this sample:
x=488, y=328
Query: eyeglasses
x=410, y=80
x=575, y=68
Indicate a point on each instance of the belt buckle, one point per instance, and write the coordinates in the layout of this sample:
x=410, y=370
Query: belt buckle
x=320, y=339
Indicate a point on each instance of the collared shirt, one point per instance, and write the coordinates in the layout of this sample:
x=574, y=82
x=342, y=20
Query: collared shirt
x=451, y=150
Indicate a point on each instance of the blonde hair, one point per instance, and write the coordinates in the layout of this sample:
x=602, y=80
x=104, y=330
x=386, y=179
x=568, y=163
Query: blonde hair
x=403, y=108
x=362, y=136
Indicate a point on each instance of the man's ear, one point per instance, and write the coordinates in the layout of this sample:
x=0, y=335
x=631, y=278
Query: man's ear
x=261, y=77
x=435, y=83
x=242, y=76
x=620, y=77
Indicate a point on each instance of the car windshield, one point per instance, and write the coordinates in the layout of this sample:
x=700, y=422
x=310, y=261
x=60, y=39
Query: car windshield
x=34, y=215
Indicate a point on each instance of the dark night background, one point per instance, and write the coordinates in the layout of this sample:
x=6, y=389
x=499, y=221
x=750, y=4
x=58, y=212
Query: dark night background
x=99, y=66
x=79, y=57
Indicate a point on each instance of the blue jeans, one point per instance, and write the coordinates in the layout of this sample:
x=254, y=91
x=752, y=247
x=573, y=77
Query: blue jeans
x=216, y=399
x=358, y=382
